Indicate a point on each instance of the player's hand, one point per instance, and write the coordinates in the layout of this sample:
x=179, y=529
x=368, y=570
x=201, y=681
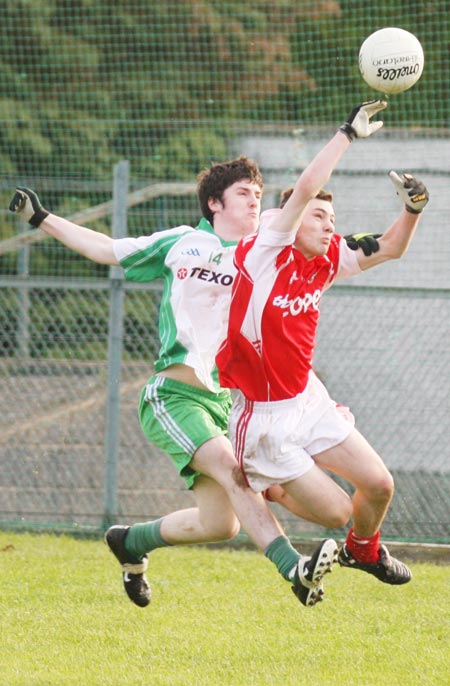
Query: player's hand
x=366, y=241
x=358, y=124
x=26, y=203
x=412, y=191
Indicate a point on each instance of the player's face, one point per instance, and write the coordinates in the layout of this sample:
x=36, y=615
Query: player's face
x=317, y=227
x=240, y=207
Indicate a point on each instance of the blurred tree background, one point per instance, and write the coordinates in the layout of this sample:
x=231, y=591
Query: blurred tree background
x=87, y=82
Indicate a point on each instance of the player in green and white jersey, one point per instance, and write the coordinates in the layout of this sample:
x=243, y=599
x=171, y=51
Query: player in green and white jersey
x=197, y=268
x=182, y=409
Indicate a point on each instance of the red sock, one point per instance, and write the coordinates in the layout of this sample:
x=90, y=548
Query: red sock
x=364, y=549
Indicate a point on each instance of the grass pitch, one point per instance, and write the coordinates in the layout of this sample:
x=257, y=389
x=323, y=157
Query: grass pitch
x=218, y=617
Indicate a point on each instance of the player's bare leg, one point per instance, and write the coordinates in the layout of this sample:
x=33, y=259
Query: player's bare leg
x=314, y=497
x=223, y=499
x=212, y=520
x=215, y=459
x=258, y=521
x=358, y=463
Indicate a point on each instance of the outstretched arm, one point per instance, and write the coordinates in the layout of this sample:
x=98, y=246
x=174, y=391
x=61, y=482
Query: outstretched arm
x=94, y=245
x=396, y=239
x=317, y=173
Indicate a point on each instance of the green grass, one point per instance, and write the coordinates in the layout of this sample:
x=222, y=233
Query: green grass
x=218, y=617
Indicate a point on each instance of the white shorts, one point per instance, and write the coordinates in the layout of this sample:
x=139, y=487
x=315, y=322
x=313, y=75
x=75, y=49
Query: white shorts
x=274, y=441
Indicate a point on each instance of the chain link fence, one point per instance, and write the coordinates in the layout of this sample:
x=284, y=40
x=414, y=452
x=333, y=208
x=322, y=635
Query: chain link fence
x=75, y=354
x=57, y=418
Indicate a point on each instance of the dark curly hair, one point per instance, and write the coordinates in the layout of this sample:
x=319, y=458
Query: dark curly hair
x=214, y=180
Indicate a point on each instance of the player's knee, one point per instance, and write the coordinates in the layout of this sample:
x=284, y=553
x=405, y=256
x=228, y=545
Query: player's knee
x=239, y=478
x=342, y=518
x=229, y=473
x=382, y=488
x=224, y=530
x=340, y=515
x=232, y=529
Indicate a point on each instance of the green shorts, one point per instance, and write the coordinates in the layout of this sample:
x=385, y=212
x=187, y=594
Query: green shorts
x=179, y=418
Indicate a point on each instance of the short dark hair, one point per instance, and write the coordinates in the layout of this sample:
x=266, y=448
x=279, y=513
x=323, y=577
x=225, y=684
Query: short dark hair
x=321, y=195
x=214, y=180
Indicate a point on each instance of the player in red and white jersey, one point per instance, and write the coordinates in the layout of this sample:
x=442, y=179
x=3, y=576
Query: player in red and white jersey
x=284, y=426
x=278, y=300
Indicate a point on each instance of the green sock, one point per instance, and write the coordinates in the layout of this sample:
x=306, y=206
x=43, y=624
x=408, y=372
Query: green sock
x=143, y=538
x=283, y=555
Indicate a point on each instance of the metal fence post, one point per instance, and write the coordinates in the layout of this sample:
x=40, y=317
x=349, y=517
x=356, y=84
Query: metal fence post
x=23, y=319
x=115, y=340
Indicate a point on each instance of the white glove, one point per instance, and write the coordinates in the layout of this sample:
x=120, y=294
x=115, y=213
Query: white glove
x=412, y=191
x=358, y=124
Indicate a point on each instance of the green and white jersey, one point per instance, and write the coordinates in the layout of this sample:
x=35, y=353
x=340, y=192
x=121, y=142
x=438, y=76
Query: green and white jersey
x=198, y=272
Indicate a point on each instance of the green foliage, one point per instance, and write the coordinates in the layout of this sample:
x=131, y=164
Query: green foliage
x=182, y=155
x=73, y=324
x=84, y=83
x=217, y=618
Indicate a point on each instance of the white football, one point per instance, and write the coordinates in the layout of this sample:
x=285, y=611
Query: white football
x=391, y=60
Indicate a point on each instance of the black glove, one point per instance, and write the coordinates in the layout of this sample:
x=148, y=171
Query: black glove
x=26, y=203
x=366, y=241
x=358, y=124
x=412, y=191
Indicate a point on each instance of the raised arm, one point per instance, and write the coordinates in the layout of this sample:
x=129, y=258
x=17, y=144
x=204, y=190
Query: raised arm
x=94, y=245
x=396, y=239
x=319, y=170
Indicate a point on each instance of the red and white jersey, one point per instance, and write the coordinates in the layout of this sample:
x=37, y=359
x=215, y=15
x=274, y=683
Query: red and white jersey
x=275, y=312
